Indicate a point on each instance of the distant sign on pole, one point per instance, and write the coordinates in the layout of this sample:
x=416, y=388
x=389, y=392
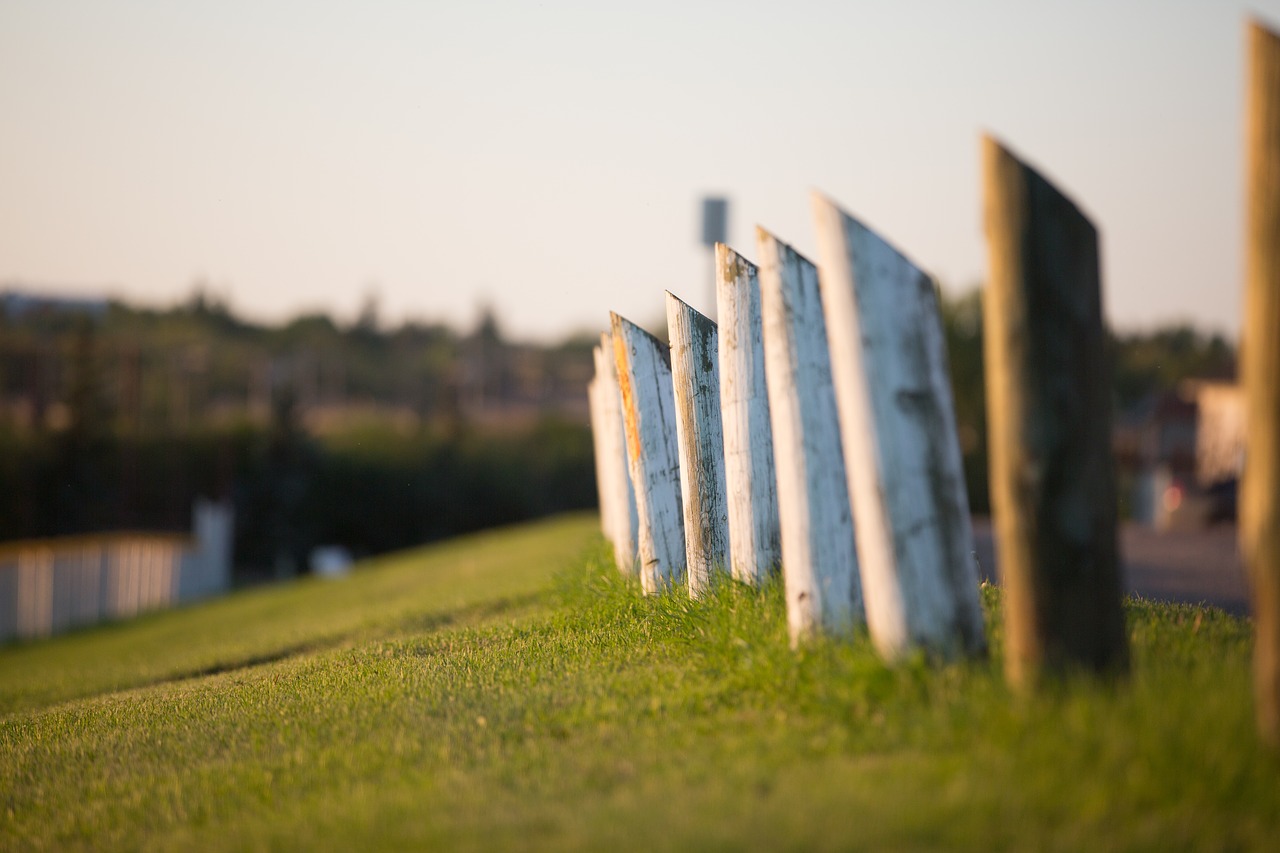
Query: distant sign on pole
x=715, y=221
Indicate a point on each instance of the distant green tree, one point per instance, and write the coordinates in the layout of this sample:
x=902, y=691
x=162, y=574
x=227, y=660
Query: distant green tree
x=83, y=476
x=1147, y=363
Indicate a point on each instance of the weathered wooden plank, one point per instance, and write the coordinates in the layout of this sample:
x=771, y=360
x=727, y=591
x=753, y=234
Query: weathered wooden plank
x=695, y=374
x=1049, y=416
x=750, y=480
x=597, y=391
x=597, y=404
x=616, y=482
x=902, y=454
x=594, y=410
x=648, y=414
x=819, y=560
x=1260, y=373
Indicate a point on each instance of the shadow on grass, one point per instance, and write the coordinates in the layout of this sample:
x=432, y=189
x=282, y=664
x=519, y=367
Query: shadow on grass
x=243, y=663
x=423, y=623
x=480, y=612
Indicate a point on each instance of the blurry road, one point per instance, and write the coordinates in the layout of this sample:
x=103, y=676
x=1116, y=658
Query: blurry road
x=1192, y=567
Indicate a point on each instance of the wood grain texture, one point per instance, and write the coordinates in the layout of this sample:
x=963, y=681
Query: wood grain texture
x=755, y=549
x=902, y=454
x=695, y=374
x=649, y=421
x=819, y=560
x=1049, y=416
x=1260, y=371
x=618, y=500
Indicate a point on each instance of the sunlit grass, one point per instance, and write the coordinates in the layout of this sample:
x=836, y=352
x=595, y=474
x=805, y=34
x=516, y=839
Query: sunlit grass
x=511, y=690
x=412, y=591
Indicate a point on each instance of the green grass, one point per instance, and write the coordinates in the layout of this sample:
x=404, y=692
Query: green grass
x=510, y=690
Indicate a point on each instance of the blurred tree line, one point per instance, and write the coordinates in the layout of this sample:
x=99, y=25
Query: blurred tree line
x=1144, y=365
x=359, y=435
x=371, y=438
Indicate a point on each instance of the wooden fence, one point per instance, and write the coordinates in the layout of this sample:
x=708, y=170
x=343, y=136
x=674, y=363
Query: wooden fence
x=833, y=450
x=814, y=436
x=48, y=586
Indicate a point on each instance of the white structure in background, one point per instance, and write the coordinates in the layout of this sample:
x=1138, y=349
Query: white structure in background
x=901, y=450
x=48, y=586
x=819, y=560
x=617, y=499
x=1220, y=430
x=206, y=566
x=649, y=420
x=330, y=561
x=695, y=375
x=1189, y=448
x=750, y=481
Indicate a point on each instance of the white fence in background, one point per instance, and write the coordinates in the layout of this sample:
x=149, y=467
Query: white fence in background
x=48, y=586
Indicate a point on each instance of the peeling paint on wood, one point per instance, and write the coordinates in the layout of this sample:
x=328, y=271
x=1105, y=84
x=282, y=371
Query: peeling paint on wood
x=906, y=481
x=1049, y=419
x=695, y=374
x=648, y=415
x=819, y=563
x=618, y=500
x=750, y=481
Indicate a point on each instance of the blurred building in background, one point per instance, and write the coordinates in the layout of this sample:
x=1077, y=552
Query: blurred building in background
x=1184, y=451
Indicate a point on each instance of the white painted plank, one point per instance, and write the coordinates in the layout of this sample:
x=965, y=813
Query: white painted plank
x=695, y=374
x=594, y=410
x=648, y=415
x=755, y=550
x=616, y=483
x=819, y=560
x=906, y=481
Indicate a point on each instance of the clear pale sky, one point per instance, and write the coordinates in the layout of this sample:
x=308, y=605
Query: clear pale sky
x=548, y=157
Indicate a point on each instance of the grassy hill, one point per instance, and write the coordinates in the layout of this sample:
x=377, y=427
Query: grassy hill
x=509, y=690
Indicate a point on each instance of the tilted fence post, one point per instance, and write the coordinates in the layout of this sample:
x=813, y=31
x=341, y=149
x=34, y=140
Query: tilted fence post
x=902, y=454
x=695, y=374
x=819, y=563
x=594, y=407
x=1260, y=373
x=750, y=480
x=648, y=413
x=618, y=498
x=1049, y=414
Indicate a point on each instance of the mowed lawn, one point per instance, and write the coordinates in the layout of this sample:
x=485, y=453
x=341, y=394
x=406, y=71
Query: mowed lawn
x=509, y=690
